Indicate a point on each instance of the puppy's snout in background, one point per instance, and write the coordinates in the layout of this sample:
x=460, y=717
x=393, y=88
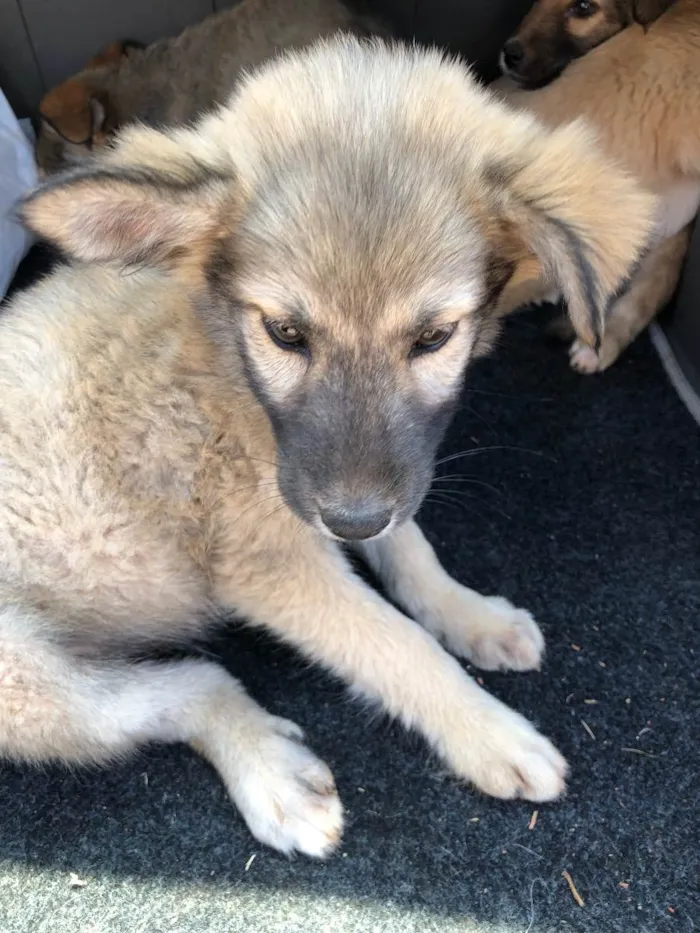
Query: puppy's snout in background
x=512, y=55
x=533, y=66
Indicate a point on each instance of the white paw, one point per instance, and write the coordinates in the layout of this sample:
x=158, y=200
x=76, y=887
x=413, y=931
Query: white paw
x=583, y=358
x=494, y=635
x=507, y=757
x=287, y=795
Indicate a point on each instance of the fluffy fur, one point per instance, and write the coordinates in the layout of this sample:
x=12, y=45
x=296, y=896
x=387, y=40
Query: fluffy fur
x=167, y=457
x=177, y=79
x=640, y=91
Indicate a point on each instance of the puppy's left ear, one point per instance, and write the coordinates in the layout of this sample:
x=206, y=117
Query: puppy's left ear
x=645, y=12
x=572, y=218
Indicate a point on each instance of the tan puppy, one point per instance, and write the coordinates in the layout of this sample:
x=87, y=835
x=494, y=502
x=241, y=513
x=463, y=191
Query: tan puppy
x=176, y=79
x=640, y=90
x=255, y=359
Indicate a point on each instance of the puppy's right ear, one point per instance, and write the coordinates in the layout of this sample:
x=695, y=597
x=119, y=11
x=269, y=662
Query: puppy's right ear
x=130, y=215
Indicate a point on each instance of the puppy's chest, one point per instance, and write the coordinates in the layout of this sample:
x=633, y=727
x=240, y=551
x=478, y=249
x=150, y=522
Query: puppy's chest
x=155, y=450
x=195, y=468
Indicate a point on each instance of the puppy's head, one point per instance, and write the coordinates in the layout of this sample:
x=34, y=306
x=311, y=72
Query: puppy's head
x=78, y=117
x=555, y=32
x=347, y=227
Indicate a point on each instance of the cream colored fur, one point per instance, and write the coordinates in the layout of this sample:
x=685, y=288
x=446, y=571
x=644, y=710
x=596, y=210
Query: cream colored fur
x=139, y=492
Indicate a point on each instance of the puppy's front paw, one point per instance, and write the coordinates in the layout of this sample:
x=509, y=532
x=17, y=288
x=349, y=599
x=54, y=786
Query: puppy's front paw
x=288, y=798
x=508, y=758
x=583, y=358
x=490, y=632
x=507, y=638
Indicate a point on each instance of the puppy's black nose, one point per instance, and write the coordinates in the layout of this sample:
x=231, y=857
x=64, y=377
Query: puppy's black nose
x=513, y=53
x=355, y=521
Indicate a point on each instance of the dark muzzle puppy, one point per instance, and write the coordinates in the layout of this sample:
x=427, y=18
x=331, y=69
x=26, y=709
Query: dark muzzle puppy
x=358, y=381
x=257, y=354
x=355, y=257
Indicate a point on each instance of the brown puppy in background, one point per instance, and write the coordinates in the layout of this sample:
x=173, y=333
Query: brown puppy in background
x=632, y=70
x=176, y=79
x=311, y=269
x=555, y=32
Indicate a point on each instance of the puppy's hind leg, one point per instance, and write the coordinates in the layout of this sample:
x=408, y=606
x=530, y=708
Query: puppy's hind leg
x=487, y=630
x=57, y=707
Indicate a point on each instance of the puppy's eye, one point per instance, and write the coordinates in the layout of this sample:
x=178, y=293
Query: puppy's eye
x=583, y=8
x=286, y=336
x=432, y=339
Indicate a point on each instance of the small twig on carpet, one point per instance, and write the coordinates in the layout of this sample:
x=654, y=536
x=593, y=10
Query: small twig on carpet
x=572, y=887
x=638, y=751
x=588, y=729
x=533, y=819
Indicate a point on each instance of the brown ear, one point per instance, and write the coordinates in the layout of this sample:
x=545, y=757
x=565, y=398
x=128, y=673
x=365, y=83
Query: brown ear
x=114, y=52
x=78, y=113
x=573, y=219
x=67, y=110
x=645, y=12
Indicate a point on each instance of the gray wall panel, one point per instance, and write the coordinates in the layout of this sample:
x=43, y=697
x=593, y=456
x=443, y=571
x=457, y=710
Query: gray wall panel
x=65, y=33
x=20, y=78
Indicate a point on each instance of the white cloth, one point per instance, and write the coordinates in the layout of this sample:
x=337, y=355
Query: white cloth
x=18, y=174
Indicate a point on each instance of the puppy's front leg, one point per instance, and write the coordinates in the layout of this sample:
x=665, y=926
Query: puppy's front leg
x=650, y=289
x=487, y=630
x=298, y=585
